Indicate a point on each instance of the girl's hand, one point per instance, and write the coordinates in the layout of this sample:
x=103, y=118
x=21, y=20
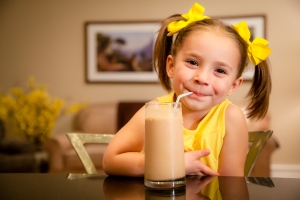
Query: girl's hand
x=193, y=166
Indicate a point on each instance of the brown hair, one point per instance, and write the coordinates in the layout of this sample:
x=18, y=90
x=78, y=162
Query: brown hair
x=259, y=93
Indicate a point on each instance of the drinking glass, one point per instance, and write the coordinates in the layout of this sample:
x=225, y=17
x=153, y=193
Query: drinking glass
x=164, y=148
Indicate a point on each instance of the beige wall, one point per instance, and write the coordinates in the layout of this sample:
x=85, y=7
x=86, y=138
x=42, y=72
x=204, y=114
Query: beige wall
x=45, y=38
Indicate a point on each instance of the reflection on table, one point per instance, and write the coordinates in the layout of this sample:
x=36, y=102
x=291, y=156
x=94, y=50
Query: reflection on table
x=97, y=186
x=197, y=187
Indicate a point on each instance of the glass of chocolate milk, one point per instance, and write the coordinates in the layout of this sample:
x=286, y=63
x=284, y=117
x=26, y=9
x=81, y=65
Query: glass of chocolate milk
x=164, y=150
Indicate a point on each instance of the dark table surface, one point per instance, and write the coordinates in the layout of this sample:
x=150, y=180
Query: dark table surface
x=83, y=186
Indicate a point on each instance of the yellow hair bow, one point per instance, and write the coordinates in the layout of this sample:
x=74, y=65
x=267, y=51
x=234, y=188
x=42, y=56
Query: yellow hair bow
x=195, y=14
x=257, y=50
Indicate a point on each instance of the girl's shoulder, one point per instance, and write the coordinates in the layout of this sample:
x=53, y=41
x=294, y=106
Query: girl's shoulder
x=235, y=120
x=234, y=112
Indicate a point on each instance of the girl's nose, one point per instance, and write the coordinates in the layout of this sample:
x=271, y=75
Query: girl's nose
x=202, y=76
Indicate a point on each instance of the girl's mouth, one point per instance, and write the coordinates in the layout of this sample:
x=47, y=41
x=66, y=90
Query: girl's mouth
x=196, y=94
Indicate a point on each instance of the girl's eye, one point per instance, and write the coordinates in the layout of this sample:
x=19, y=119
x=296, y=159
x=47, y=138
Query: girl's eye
x=192, y=62
x=221, y=71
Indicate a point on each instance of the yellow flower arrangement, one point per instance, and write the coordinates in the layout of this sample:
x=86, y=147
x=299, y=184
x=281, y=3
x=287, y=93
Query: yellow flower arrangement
x=32, y=113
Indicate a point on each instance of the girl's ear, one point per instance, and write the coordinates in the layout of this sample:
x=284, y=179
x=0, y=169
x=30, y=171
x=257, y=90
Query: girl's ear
x=170, y=66
x=236, y=84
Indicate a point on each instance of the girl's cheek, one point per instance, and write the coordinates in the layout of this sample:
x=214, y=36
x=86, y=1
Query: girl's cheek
x=179, y=79
x=220, y=88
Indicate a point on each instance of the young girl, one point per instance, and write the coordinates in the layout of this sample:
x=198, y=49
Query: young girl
x=194, y=53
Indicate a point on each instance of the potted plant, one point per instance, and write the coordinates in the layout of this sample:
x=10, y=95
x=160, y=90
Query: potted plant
x=31, y=112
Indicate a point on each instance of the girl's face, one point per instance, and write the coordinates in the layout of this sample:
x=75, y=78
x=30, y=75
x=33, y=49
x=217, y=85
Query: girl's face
x=207, y=65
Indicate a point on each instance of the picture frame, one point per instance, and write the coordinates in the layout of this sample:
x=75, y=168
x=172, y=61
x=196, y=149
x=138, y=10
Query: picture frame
x=257, y=27
x=120, y=52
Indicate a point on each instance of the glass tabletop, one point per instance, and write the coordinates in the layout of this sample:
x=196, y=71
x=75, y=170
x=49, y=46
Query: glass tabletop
x=87, y=186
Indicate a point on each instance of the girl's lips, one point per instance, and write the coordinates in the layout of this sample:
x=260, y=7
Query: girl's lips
x=198, y=94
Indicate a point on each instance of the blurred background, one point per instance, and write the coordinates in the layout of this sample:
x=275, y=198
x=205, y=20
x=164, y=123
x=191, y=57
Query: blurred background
x=45, y=39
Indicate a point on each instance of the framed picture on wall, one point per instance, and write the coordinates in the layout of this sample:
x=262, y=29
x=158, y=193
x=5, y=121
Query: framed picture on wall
x=120, y=51
x=257, y=27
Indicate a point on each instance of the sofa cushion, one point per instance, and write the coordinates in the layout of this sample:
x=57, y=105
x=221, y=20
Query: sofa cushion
x=125, y=112
x=97, y=118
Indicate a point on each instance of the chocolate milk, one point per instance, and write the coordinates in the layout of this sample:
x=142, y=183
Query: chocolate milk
x=164, y=150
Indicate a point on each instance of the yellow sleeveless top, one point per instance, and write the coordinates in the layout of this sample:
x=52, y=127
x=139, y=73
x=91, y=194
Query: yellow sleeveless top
x=209, y=133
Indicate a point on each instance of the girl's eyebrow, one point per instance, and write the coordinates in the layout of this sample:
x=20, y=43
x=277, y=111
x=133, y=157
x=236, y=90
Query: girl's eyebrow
x=193, y=54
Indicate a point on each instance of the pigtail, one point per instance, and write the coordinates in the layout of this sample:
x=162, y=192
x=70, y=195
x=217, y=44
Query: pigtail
x=259, y=93
x=162, y=49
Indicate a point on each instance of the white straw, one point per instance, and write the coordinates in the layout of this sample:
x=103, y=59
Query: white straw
x=180, y=96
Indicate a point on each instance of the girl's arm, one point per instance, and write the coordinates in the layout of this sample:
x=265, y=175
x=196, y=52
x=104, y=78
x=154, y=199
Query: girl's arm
x=235, y=145
x=123, y=155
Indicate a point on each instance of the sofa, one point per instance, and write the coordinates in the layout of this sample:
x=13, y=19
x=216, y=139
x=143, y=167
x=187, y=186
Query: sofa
x=108, y=118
